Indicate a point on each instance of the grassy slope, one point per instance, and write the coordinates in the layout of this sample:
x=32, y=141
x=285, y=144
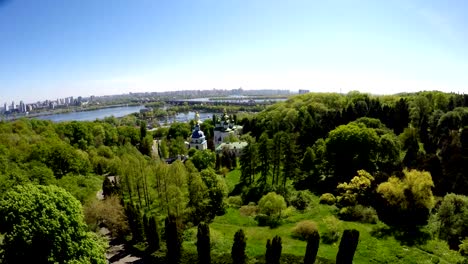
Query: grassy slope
x=370, y=249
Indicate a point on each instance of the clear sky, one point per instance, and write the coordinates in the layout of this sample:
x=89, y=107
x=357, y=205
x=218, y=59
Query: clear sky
x=56, y=48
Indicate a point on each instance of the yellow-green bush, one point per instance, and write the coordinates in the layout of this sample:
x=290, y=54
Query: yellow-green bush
x=303, y=229
x=327, y=198
x=333, y=229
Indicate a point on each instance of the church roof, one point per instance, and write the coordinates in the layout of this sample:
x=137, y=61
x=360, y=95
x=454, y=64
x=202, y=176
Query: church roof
x=197, y=134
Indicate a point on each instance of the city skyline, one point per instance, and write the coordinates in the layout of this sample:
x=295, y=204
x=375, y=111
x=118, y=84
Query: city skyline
x=57, y=49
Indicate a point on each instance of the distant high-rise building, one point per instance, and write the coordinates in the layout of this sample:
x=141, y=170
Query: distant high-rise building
x=13, y=107
x=22, y=107
x=303, y=91
x=5, y=107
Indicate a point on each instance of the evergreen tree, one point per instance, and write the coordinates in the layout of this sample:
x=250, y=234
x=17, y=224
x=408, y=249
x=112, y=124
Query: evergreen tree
x=134, y=221
x=264, y=158
x=313, y=242
x=108, y=187
x=151, y=232
x=203, y=244
x=273, y=252
x=268, y=252
x=173, y=239
x=238, y=248
x=348, y=245
x=248, y=161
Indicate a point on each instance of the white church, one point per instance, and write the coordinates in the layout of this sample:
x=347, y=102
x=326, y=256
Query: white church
x=198, y=140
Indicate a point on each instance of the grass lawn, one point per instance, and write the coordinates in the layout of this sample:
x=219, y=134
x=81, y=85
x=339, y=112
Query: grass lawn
x=232, y=178
x=370, y=249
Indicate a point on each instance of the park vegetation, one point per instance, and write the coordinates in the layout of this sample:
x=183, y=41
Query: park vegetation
x=323, y=171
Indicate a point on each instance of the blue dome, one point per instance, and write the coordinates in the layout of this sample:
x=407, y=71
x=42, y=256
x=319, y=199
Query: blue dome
x=197, y=134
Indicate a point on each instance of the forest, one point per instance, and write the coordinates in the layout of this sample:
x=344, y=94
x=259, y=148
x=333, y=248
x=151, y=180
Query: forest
x=325, y=178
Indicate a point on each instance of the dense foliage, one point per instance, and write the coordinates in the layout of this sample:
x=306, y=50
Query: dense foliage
x=44, y=224
x=370, y=158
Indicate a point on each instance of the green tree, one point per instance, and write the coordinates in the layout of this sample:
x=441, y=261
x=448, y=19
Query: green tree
x=44, y=224
x=173, y=239
x=238, y=248
x=350, y=148
x=109, y=213
x=248, y=161
x=357, y=191
x=313, y=242
x=273, y=252
x=216, y=192
x=272, y=204
x=203, y=159
x=151, y=232
x=203, y=244
x=198, y=201
x=348, y=244
x=264, y=156
x=410, y=198
x=451, y=216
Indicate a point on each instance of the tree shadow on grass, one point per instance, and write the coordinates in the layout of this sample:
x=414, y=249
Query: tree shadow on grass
x=406, y=236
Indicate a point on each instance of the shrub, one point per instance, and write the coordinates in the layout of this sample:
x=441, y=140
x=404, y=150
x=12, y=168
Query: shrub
x=464, y=247
x=272, y=204
x=327, y=198
x=234, y=201
x=359, y=213
x=249, y=210
x=301, y=200
x=333, y=228
x=303, y=229
x=266, y=220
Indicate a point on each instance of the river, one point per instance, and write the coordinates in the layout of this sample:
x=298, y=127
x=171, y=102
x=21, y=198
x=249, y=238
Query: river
x=92, y=114
x=117, y=112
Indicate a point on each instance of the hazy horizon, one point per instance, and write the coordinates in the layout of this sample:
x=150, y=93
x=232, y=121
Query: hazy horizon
x=52, y=49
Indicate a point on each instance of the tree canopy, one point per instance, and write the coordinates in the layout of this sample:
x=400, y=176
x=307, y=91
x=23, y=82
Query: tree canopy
x=44, y=224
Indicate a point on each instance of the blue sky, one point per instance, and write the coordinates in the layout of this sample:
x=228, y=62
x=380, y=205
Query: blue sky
x=55, y=48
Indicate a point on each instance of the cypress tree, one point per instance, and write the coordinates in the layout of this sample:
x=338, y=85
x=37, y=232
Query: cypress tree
x=152, y=233
x=238, y=248
x=203, y=244
x=273, y=251
x=348, y=245
x=173, y=240
x=134, y=221
x=276, y=248
x=313, y=241
x=268, y=252
x=107, y=187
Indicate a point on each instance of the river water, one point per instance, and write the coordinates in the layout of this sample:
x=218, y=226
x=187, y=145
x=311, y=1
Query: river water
x=93, y=114
x=118, y=112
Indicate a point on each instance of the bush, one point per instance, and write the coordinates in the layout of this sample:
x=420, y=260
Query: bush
x=301, y=200
x=249, y=210
x=333, y=228
x=266, y=220
x=272, y=204
x=359, y=213
x=234, y=201
x=327, y=198
x=464, y=247
x=303, y=229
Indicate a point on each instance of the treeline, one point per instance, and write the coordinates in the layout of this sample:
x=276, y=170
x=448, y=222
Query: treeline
x=331, y=136
x=373, y=153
